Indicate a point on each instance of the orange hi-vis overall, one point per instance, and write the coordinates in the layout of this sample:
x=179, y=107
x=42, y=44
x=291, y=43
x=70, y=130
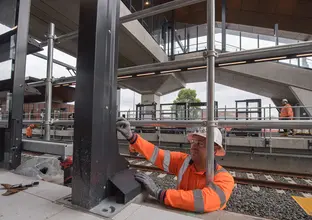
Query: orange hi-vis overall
x=287, y=112
x=192, y=193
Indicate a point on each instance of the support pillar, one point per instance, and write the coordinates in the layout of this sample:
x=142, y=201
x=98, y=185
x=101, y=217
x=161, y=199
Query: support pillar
x=118, y=102
x=223, y=41
x=98, y=169
x=172, y=35
x=48, y=93
x=16, y=14
x=276, y=34
x=148, y=99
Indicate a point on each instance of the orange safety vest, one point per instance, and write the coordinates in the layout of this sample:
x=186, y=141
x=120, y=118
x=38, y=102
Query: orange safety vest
x=287, y=112
x=192, y=193
x=29, y=131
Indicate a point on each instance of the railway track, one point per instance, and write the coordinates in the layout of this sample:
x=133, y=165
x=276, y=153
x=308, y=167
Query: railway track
x=244, y=169
x=288, y=184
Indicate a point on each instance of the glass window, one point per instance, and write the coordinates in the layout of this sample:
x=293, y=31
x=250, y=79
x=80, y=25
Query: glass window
x=218, y=39
x=266, y=41
x=306, y=62
x=232, y=41
x=192, y=32
x=249, y=41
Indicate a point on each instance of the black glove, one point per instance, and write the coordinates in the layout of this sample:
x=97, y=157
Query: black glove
x=123, y=126
x=150, y=186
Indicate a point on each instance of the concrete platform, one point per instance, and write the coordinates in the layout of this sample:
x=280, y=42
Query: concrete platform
x=38, y=203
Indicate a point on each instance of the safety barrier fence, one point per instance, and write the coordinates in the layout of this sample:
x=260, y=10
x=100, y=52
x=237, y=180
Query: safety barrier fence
x=193, y=113
x=289, y=124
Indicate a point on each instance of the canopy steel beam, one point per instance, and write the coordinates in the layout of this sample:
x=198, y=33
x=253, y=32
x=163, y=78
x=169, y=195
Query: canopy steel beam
x=169, y=6
x=55, y=61
x=231, y=57
x=289, y=51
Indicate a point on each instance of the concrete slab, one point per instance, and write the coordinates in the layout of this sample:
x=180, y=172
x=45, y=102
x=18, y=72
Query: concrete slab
x=38, y=203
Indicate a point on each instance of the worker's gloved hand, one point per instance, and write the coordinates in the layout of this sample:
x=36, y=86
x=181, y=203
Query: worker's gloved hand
x=150, y=186
x=123, y=126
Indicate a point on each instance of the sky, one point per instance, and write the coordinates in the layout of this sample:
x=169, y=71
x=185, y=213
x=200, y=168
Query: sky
x=225, y=95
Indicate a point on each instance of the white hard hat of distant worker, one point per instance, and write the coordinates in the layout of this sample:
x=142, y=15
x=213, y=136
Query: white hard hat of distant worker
x=285, y=100
x=217, y=140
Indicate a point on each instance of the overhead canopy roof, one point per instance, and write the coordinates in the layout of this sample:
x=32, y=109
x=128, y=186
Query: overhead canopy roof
x=65, y=15
x=291, y=15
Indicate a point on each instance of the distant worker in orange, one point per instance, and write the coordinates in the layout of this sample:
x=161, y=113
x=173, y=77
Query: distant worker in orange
x=286, y=114
x=29, y=130
x=192, y=193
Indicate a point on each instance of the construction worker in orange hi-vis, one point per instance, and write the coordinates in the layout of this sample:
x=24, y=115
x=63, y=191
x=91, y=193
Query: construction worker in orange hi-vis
x=29, y=130
x=192, y=192
x=286, y=114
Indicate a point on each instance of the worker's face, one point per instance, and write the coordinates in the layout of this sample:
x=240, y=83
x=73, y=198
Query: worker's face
x=198, y=148
x=284, y=103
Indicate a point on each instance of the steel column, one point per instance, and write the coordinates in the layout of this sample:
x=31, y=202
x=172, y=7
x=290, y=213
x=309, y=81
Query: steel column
x=172, y=35
x=276, y=34
x=13, y=140
x=210, y=80
x=223, y=41
x=48, y=92
x=96, y=156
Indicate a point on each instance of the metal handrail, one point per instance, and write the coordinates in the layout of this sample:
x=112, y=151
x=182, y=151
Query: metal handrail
x=266, y=114
x=257, y=124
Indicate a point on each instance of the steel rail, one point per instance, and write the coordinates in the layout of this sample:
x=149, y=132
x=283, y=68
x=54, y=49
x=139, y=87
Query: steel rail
x=239, y=169
x=291, y=124
x=245, y=181
x=275, y=185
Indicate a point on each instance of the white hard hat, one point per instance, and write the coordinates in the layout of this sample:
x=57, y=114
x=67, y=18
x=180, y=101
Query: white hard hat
x=217, y=139
x=284, y=100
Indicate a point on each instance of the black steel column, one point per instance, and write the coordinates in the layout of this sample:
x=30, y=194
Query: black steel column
x=13, y=135
x=96, y=156
x=172, y=35
x=223, y=41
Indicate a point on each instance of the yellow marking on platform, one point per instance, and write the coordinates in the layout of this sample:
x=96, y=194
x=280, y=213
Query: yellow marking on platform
x=305, y=204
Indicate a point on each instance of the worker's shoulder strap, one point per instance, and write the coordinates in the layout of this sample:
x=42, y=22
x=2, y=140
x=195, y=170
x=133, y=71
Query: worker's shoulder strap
x=183, y=168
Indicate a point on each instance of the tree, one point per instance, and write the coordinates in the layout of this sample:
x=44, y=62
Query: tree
x=186, y=96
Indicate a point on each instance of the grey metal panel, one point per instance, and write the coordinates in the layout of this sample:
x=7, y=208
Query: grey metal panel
x=48, y=147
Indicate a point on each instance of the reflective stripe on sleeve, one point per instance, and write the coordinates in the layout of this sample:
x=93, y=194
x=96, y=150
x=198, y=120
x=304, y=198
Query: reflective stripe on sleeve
x=221, y=171
x=219, y=192
x=199, y=205
x=154, y=155
x=166, y=161
x=183, y=169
